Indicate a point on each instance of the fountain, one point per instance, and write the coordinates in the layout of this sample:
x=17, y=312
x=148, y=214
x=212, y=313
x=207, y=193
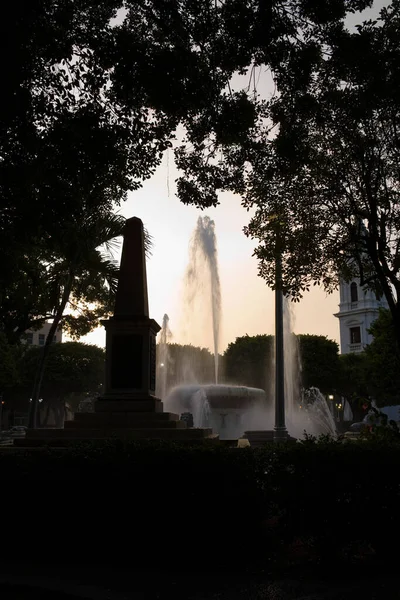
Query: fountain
x=321, y=417
x=233, y=410
x=202, y=275
x=227, y=409
x=292, y=365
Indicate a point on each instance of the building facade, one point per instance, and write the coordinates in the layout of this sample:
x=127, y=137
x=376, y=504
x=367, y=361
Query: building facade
x=358, y=309
x=38, y=337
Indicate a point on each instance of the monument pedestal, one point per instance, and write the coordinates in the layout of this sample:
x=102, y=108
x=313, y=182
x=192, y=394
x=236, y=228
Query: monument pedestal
x=125, y=417
x=128, y=408
x=119, y=419
x=64, y=438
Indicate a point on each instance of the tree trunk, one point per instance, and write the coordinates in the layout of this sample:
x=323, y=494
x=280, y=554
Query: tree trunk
x=45, y=352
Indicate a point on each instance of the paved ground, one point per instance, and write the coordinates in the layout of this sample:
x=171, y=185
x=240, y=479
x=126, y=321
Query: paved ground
x=379, y=589
x=20, y=582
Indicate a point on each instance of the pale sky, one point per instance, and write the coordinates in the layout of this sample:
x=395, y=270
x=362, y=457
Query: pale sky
x=247, y=303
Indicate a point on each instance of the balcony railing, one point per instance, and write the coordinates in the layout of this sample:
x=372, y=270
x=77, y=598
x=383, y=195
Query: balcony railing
x=355, y=347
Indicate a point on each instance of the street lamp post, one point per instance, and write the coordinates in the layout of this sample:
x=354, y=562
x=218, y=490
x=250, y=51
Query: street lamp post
x=280, y=431
x=332, y=405
x=33, y=416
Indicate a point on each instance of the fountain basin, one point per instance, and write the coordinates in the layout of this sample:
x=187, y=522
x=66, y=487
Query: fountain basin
x=229, y=410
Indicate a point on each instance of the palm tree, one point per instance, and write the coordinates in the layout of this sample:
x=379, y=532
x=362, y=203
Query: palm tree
x=80, y=271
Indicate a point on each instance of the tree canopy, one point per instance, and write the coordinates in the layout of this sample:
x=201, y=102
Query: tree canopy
x=9, y=375
x=81, y=124
x=79, y=274
x=73, y=271
x=383, y=360
x=73, y=368
x=322, y=153
x=93, y=94
x=183, y=363
x=332, y=169
x=249, y=361
x=374, y=373
x=319, y=362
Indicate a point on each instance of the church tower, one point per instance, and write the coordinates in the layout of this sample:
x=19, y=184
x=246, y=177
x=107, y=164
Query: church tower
x=358, y=309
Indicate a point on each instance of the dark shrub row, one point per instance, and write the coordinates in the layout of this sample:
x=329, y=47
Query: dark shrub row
x=160, y=504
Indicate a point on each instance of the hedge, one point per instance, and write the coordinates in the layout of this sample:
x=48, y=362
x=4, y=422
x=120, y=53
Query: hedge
x=140, y=503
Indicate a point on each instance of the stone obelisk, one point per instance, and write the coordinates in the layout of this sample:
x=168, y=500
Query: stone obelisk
x=130, y=375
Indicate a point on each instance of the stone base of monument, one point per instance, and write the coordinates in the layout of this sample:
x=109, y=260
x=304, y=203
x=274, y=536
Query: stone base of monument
x=258, y=438
x=122, y=420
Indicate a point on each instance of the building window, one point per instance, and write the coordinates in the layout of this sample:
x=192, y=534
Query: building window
x=355, y=335
x=29, y=338
x=354, y=292
x=42, y=339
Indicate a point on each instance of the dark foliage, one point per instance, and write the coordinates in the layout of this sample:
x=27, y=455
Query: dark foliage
x=211, y=502
x=249, y=361
x=183, y=363
x=322, y=153
x=373, y=373
x=319, y=362
x=383, y=359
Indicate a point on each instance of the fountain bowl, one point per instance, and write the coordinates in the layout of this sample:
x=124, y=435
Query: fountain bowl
x=228, y=409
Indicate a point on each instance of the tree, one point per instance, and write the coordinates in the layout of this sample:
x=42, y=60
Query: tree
x=287, y=39
x=248, y=361
x=320, y=362
x=383, y=360
x=184, y=364
x=82, y=122
x=79, y=274
x=115, y=90
x=73, y=369
x=323, y=154
x=8, y=364
x=354, y=383
x=337, y=186
x=374, y=373
x=91, y=103
x=331, y=172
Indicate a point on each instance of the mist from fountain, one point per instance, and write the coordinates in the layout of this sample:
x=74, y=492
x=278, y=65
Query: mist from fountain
x=315, y=404
x=292, y=362
x=164, y=358
x=305, y=410
x=202, y=278
x=200, y=408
